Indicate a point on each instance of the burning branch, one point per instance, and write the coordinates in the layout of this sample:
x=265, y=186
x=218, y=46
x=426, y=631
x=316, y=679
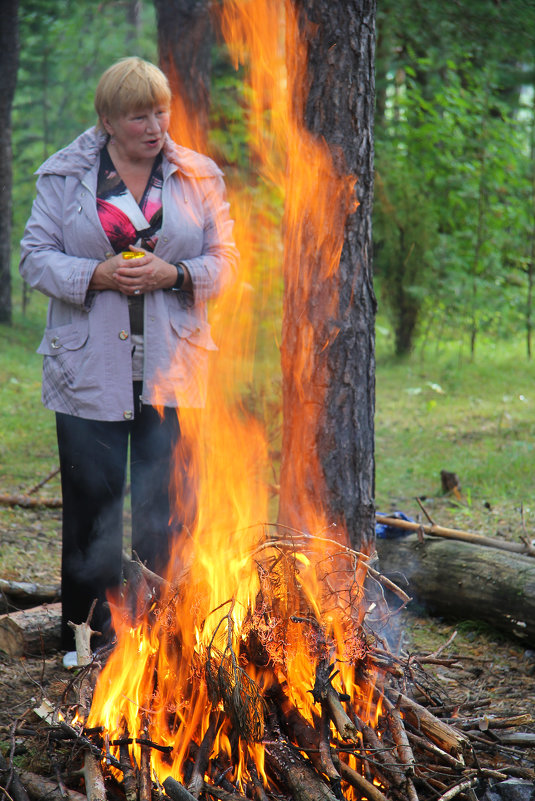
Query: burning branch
x=240, y=695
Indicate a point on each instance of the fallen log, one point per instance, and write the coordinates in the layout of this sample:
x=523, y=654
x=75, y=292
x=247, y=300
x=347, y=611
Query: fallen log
x=94, y=780
x=32, y=631
x=129, y=779
x=196, y=784
x=518, y=738
x=15, y=595
x=29, y=593
x=459, y=580
x=490, y=722
x=399, y=736
x=222, y=795
x=29, y=502
x=38, y=787
x=10, y=782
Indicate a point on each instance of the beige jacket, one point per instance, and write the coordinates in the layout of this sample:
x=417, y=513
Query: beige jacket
x=87, y=368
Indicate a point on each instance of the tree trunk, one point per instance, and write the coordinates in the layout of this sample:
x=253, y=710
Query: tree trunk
x=9, y=60
x=133, y=15
x=185, y=38
x=461, y=581
x=327, y=347
x=406, y=308
x=531, y=263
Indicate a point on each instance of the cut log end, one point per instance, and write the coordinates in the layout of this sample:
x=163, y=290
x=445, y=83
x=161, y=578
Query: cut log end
x=31, y=632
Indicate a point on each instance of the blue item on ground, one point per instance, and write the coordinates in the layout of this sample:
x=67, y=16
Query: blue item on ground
x=387, y=532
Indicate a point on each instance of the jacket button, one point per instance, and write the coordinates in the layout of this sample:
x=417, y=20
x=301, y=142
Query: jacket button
x=123, y=334
x=109, y=254
x=55, y=343
x=128, y=414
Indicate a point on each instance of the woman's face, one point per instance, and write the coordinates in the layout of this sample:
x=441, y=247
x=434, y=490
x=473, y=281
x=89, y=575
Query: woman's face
x=139, y=135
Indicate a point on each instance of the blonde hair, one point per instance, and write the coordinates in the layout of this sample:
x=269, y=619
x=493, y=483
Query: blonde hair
x=131, y=84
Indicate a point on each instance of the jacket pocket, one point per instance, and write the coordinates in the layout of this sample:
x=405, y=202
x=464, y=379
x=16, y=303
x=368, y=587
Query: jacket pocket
x=71, y=336
x=64, y=362
x=195, y=332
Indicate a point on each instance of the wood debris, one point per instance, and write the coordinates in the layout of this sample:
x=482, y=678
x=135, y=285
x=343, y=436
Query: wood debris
x=32, y=631
x=414, y=748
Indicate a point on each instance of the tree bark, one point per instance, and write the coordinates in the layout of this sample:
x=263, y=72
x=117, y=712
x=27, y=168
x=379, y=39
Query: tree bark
x=38, y=787
x=9, y=61
x=185, y=38
x=327, y=347
x=299, y=776
x=32, y=632
x=17, y=594
x=461, y=581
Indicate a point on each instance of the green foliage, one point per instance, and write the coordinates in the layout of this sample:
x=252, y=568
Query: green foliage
x=65, y=46
x=228, y=135
x=454, y=216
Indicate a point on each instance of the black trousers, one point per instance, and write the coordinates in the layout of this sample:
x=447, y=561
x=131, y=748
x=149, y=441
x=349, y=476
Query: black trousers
x=93, y=460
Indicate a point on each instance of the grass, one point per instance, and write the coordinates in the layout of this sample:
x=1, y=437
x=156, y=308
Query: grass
x=29, y=538
x=27, y=440
x=435, y=410
x=476, y=419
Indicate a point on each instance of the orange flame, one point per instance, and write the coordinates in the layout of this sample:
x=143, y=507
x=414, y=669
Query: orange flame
x=166, y=678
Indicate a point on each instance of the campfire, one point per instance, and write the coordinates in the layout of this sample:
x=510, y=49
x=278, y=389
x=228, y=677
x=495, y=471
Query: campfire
x=261, y=666
x=284, y=690
x=260, y=640
x=225, y=690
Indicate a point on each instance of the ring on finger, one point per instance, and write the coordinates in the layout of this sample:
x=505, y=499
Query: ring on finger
x=137, y=291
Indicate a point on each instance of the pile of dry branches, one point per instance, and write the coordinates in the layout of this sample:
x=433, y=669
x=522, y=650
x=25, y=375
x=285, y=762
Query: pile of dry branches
x=422, y=745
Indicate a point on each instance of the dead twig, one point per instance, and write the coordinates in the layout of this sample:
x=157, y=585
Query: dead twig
x=43, y=481
x=424, y=510
x=457, y=789
x=457, y=534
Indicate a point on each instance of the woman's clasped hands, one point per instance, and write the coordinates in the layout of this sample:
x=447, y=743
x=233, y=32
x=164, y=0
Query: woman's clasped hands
x=134, y=275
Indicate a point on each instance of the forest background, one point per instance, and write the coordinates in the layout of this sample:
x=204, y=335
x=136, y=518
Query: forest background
x=454, y=239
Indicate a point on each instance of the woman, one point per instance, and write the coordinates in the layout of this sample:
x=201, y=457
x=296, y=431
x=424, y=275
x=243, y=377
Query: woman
x=123, y=334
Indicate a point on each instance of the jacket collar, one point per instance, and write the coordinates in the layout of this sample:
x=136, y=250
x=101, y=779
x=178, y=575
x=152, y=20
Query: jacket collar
x=82, y=154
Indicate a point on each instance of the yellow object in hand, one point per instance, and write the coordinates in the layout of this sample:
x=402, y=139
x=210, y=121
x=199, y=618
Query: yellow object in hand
x=129, y=254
